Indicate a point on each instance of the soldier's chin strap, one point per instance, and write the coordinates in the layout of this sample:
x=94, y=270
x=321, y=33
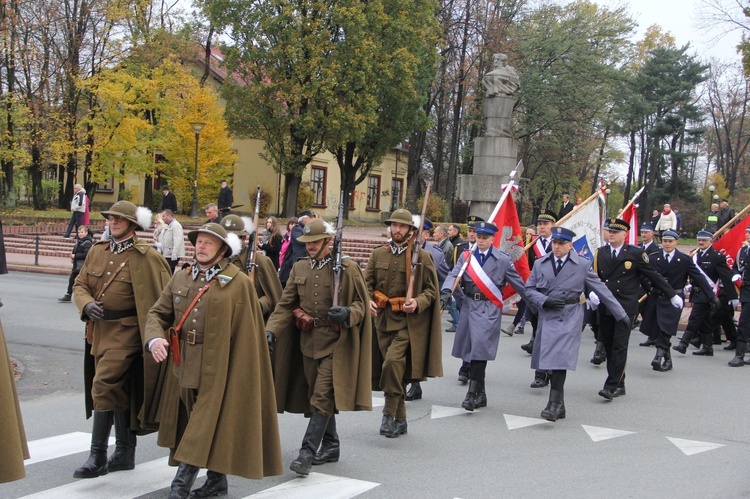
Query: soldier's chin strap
x=322, y=247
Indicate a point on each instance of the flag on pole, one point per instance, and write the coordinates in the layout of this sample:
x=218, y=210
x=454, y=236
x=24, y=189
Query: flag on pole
x=586, y=221
x=730, y=243
x=630, y=215
x=509, y=239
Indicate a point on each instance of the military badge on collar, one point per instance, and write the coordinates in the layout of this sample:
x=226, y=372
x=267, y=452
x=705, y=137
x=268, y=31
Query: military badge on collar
x=645, y=257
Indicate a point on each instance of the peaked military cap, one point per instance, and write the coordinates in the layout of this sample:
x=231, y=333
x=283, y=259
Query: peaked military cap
x=669, y=234
x=562, y=234
x=547, y=216
x=473, y=219
x=704, y=234
x=215, y=230
x=486, y=228
x=401, y=216
x=315, y=230
x=616, y=225
x=427, y=225
x=647, y=227
x=304, y=213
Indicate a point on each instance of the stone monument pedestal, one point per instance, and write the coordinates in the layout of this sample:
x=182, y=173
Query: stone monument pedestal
x=494, y=159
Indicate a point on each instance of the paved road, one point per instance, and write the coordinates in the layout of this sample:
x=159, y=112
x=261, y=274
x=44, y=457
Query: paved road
x=677, y=434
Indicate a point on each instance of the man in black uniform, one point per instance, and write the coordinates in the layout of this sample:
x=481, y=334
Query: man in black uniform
x=660, y=318
x=651, y=248
x=622, y=267
x=741, y=278
x=566, y=206
x=168, y=200
x=714, y=266
x=225, y=198
x=543, y=245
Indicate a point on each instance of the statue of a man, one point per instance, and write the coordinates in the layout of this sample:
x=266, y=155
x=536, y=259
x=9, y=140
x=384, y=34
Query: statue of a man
x=503, y=79
x=500, y=83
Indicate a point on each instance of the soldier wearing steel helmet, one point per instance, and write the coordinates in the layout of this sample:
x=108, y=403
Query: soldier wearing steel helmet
x=217, y=406
x=408, y=332
x=118, y=283
x=322, y=353
x=265, y=278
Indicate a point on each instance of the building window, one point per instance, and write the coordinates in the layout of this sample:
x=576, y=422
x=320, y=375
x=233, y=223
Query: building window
x=318, y=185
x=396, y=193
x=373, y=192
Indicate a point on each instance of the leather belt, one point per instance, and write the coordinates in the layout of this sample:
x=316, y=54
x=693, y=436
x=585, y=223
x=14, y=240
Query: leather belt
x=191, y=337
x=321, y=322
x=573, y=301
x=113, y=315
x=659, y=292
x=479, y=297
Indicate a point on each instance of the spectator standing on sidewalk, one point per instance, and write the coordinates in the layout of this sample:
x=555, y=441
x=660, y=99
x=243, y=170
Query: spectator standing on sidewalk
x=171, y=239
x=83, y=244
x=77, y=207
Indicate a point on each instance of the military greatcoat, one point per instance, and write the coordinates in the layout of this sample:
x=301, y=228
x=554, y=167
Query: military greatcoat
x=12, y=434
x=558, y=334
x=232, y=427
x=386, y=273
x=311, y=289
x=136, y=286
x=479, y=324
x=266, y=280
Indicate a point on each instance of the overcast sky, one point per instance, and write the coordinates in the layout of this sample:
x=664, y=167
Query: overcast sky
x=683, y=19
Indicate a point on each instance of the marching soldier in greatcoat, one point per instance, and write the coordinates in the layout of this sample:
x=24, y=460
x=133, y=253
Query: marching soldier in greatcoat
x=118, y=283
x=458, y=250
x=217, y=407
x=713, y=265
x=265, y=278
x=481, y=285
x=409, y=339
x=322, y=353
x=542, y=246
x=12, y=432
x=660, y=318
x=554, y=290
x=741, y=278
x=622, y=267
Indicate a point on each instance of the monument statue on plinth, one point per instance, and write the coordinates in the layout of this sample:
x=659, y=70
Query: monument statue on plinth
x=500, y=84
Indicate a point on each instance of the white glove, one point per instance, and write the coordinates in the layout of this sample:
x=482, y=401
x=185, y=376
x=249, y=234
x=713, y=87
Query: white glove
x=676, y=301
x=734, y=303
x=736, y=277
x=593, y=301
x=687, y=288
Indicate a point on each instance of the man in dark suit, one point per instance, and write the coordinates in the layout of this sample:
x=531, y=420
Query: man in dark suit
x=622, y=267
x=660, y=318
x=168, y=201
x=225, y=198
x=566, y=206
x=651, y=248
x=714, y=266
x=741, y=278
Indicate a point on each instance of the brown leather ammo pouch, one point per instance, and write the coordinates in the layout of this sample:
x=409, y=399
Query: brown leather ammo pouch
x=397, y=303
x=380, y=299
x=303, y=320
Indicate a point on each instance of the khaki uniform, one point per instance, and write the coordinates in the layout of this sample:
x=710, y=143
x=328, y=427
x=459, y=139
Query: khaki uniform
x=266, y=280
x=218, y=406
x=410, y=345
x=312, y=290
x=12, y=434
x=140, y=273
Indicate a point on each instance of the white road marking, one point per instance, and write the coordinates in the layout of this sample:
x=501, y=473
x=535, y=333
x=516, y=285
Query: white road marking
x=515, y=422
x=45, y=449
x=597, y=433
x=316, y=485
x=690, y=447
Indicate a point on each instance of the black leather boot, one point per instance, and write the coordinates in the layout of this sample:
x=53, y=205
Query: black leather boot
x=215, y=485
x=600, y=355
x=96, y=464
x=731, y=346
x=656, y=362
x=684, y=342
x=739, y=354
x=528, y=347
x=329, y=448
x=415, y=391
x=124, y=455
x=183, y=481
x=310, y=443
x=481, y=398
x=707, y=349
x=667, y=366
x=555, y=406
x=469, y=402
x=389, y=427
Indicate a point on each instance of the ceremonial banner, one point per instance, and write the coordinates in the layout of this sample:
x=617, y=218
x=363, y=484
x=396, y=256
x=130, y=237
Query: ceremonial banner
x=631, y=217
x=509, y=239
x=730, y=243
x=586, y=221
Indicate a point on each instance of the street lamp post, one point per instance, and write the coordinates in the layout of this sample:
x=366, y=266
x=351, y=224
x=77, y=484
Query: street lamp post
x=197, y=127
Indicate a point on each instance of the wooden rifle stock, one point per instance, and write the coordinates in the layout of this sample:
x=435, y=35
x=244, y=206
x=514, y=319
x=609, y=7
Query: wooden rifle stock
x=415, y=255
x=251, y=245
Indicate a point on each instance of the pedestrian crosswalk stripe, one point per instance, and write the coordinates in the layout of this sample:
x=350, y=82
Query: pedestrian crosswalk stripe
x=690, y=447
x=598, y=433
x=145, y=478
x=316, y=485
x=515, y=422
x=45, y=449
x=439, y=411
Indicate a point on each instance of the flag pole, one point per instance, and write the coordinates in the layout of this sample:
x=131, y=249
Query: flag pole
x=632, y=200
x=729, y=224
x=573, y=212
